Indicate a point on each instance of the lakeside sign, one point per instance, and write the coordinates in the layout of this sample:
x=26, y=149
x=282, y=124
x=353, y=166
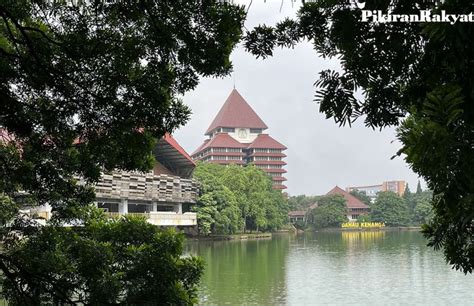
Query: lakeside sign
x=363, y=225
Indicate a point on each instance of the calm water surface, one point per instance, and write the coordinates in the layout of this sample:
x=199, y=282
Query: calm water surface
x=357, y=268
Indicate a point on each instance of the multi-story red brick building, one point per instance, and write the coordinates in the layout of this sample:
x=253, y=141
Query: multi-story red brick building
x=236, y=137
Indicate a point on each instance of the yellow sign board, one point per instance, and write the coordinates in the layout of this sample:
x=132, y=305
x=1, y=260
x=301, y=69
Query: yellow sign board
x=362, y=225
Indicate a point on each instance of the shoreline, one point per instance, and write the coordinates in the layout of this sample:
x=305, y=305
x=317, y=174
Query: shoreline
x=362, y=229
x=269, y=235
x=235, y=237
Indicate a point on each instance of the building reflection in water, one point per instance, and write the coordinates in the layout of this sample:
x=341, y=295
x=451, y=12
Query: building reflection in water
x=361, y=237
x=243, y=272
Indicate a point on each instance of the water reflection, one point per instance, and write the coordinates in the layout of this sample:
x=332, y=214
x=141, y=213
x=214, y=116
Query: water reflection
x=243, y=272
x=366, y=267
x=356, y=237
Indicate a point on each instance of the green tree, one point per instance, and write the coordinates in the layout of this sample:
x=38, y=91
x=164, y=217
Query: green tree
x=331, y=211
x=361, y=195
x=126, y=261
x=423, y=212
x=364, y=218
x=418, y=188
x=235, y=198
x=389, y=208
x=301, y=202
x=87, y=88
x=414, y=75
x=407, y=192
x=410, y=202
x=217, y=208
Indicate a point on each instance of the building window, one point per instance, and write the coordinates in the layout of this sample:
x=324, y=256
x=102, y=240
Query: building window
x=256, y=131
x=219, y=157
x=275, y=158
x=234, y=150
x=275, y=150
x=218, y=149
x=260, y=151
x=228, y=130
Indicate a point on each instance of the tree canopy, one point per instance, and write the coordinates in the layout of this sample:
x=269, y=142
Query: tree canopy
x=87, y=87
x=331, y=211
x=301, y=202
x=390, y=208
x=418, y=76
x=361, y=195
x=235, y=199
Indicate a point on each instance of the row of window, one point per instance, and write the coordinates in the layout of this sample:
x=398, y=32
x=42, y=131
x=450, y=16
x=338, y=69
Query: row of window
x=220, y=150
x=259, y=150
x=232, y=130
x=269, y=166
x=223, y=157
x=266, y=158
x=358, y=209
x=275, y=174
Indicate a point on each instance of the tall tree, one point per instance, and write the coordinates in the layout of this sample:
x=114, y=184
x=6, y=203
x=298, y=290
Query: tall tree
x=331, y=211
x=423, y=208
x=418, y=188
x=418, y=76
x=390, y=208
x=407, y=192
x=235, y=198
x=86, y=87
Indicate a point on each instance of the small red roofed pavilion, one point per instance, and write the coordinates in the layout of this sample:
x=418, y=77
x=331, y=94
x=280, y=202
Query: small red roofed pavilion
x=355, y=207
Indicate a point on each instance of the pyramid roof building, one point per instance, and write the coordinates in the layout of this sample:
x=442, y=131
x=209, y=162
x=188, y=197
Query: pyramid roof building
x=235, y=113
x=235, y=137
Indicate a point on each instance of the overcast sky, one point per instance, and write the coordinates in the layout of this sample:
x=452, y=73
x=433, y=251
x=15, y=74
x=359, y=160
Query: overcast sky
x=280, y=89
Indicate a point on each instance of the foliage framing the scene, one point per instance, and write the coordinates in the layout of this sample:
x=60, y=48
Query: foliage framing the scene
x=418, y=76
x=88, y=87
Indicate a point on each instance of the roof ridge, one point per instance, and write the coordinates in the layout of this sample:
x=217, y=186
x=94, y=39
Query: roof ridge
x=235, y=113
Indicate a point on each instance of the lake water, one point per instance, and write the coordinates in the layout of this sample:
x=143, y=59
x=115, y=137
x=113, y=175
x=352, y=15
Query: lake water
x=337, y=268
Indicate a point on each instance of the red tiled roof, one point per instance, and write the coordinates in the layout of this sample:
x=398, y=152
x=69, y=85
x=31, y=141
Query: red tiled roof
x=221, y=140
x=236, y=112
x=278, y=178
x=279, y=187
x=172, y=142
x=199, y=149
x=351, y=201
x=264, y=141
